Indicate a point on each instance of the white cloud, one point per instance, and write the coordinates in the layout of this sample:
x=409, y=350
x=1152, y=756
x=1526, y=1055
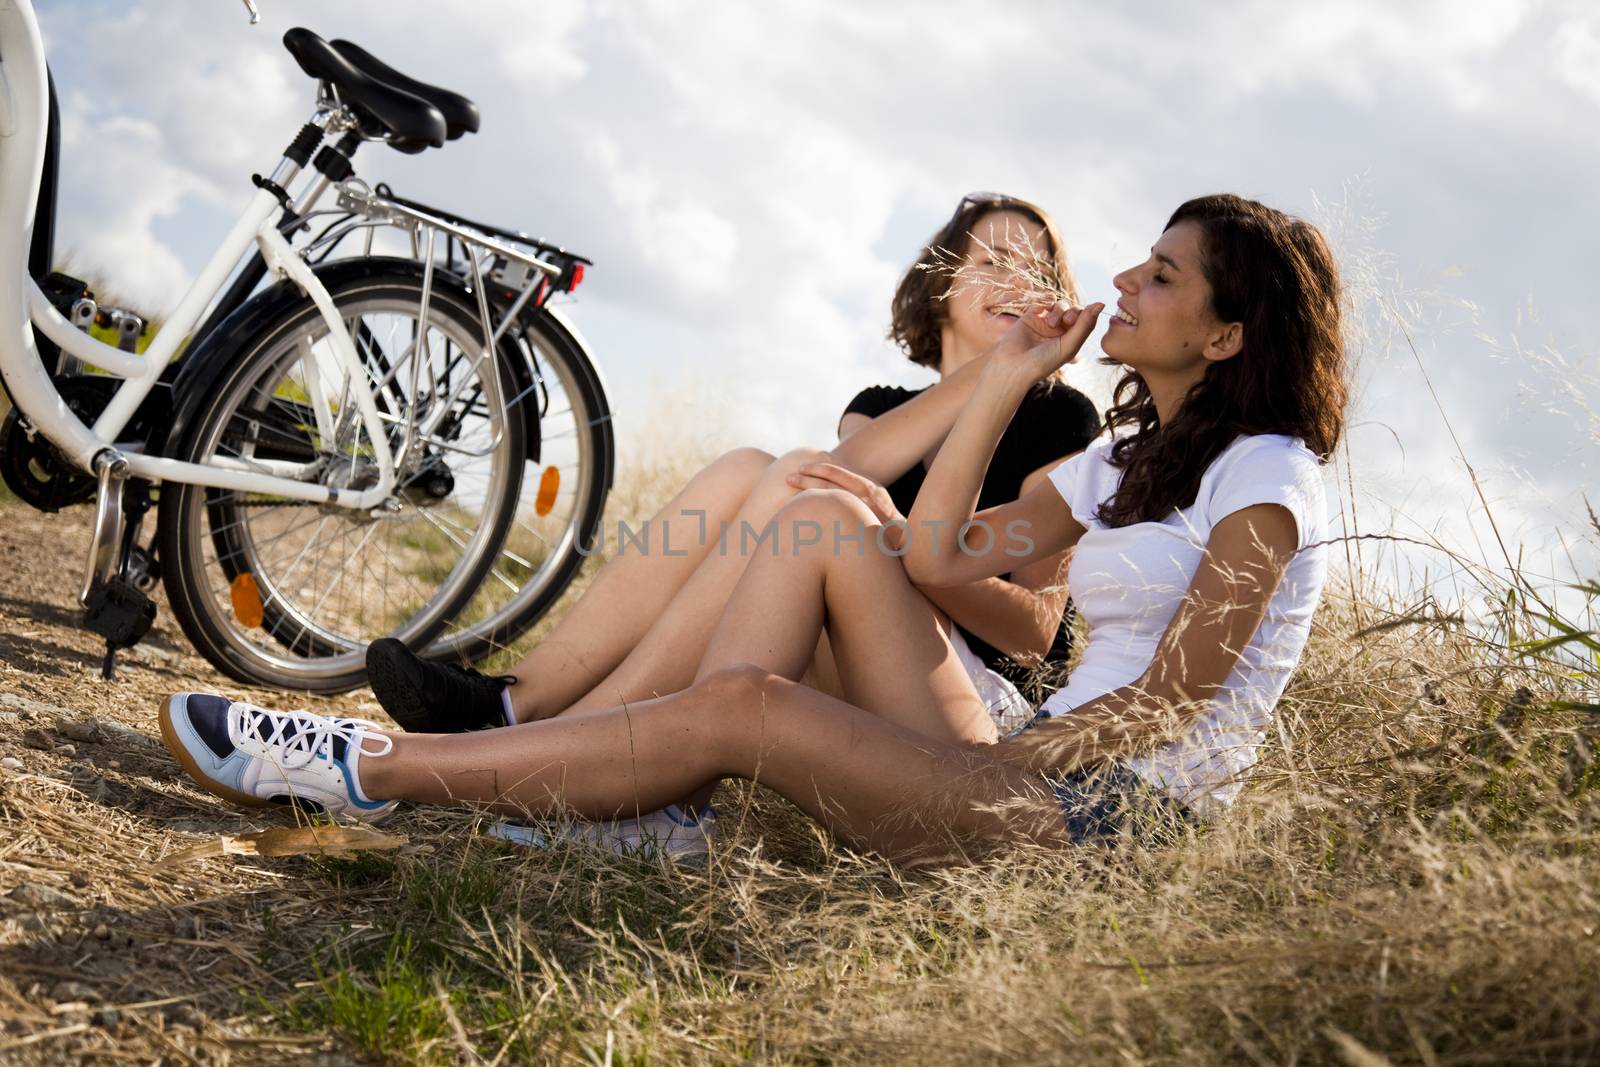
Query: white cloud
x=689, y=248
x=1353, y=47
x=751, y=178
x=116, y=231
x=534, y=42
x=1576, y=50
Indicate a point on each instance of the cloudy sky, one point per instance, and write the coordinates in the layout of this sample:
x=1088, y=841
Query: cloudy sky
x=751, y=179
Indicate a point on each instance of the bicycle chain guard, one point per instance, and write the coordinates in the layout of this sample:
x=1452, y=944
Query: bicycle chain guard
x=33, y=469
x=36, y=472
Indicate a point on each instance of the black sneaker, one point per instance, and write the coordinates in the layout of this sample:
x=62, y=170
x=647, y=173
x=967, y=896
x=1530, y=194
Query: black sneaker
x=433, y=698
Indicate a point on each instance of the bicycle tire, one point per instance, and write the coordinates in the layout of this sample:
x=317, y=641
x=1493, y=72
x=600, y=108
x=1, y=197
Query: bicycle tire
x=555, y=349
x=246, y=362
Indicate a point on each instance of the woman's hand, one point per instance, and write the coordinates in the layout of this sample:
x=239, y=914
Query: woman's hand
x=869, y=492
x=1043, y=339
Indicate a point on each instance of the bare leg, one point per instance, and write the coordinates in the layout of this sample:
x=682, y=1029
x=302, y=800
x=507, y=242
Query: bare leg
x=889, y=644
x=867, y=780
x=634, y=587
x=870, y=780
x=664, y=659
x=823, y=676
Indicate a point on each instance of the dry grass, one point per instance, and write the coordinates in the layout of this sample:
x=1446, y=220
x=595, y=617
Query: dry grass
x=1410, y=877
x=1007, y=268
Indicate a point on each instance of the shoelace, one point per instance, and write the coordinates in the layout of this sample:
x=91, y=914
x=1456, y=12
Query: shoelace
x=302, y=736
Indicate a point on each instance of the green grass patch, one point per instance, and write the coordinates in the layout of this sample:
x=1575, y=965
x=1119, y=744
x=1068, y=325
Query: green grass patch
x=481, y=941
x=392, y=1011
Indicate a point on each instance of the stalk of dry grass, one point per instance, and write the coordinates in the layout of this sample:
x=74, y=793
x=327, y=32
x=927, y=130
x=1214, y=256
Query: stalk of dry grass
x=1009, y=261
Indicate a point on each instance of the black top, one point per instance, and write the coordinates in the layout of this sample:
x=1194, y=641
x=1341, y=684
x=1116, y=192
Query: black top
x=1053, y=421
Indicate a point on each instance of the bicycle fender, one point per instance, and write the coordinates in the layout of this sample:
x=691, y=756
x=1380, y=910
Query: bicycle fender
x=217, y=350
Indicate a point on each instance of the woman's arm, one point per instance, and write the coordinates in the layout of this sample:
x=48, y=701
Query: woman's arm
x=1020, y=619
x=886, y=447
x=944, y=545
x=849, y=423
x=1245, y=559
x=1000, y=540
x=1018, y=615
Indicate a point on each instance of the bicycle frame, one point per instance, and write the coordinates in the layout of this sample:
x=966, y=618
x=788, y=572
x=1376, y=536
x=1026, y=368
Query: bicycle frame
x=23, y=123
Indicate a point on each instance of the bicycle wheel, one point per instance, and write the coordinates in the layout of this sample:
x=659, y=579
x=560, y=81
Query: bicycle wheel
x=569, y=472
x=284, y=593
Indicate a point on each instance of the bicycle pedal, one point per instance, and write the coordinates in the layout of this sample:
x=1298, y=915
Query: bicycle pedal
x=120, y=612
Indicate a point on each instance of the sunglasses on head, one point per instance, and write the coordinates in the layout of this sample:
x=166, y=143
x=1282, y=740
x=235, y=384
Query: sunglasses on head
x=986, y=198
x=997, y=201
x=991, y=201
x=955, y=230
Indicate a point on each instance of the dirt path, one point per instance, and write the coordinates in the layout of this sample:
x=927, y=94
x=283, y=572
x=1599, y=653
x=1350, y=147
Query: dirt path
x=106, y=947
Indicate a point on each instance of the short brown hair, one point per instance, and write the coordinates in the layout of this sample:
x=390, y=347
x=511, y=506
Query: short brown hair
x=918, y=311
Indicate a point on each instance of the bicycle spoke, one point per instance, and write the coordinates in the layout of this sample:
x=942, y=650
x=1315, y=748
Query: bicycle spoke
x=458, y=550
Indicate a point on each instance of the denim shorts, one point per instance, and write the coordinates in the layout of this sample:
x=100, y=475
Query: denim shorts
x=1110, y=803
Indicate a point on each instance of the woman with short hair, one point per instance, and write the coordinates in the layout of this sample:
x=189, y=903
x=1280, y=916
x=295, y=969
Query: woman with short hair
x=641, y=627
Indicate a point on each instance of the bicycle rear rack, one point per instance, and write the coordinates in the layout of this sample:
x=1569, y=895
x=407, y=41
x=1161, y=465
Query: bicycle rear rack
x=529, y=268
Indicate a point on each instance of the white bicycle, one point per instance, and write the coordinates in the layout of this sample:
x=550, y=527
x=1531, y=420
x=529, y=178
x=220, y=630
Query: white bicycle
x=341, y=455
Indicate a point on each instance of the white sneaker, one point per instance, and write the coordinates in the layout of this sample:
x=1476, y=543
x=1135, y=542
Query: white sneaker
x=673, y=832
x=256, y=757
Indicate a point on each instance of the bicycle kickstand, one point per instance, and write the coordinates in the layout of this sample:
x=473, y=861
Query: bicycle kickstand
x=114, y=606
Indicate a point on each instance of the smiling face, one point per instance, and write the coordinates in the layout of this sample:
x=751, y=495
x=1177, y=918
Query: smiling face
x=1164, y=325
x=1227, y=271
x=976, y=304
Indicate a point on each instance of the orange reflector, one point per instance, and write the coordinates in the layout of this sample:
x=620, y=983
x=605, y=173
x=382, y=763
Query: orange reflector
x=549, y=482
x=247, y=601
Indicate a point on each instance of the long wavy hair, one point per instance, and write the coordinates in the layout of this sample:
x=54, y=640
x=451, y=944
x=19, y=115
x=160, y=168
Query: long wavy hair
x=919, y=309
x=1273, y=273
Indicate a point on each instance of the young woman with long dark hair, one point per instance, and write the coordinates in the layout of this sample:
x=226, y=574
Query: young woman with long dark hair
x=1197, y=567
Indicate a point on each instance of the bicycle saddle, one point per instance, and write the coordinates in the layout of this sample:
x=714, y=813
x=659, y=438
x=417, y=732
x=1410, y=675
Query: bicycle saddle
x=460, y=114
x=410, y=123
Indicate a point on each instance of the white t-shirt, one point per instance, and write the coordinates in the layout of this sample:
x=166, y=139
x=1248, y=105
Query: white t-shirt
x=1129, y=581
